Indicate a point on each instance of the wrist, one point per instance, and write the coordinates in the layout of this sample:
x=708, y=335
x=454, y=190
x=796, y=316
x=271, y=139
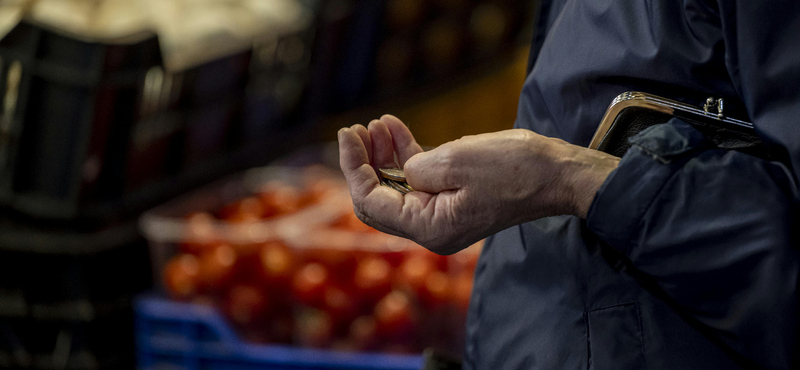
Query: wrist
x=582, y=172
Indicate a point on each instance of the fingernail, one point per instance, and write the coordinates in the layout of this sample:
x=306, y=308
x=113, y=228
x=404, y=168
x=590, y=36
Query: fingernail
x=373, y=122
x=341, y=131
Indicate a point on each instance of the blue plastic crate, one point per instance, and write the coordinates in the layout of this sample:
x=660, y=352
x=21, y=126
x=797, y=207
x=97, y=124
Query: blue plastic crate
x=185, y=336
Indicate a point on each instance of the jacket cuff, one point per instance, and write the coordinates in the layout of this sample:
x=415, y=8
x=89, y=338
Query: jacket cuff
x=657, y=153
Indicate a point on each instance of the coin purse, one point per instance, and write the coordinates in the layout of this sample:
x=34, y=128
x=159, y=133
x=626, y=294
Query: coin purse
x=631, y=112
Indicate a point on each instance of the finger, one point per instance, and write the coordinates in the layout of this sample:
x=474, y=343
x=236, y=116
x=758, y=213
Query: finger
x=381, y=209
x=354, y=162
x=382, y=147
x=365, y=138
x=418, y=216
x=403, y=141
x=434, y=171
x=392, y=212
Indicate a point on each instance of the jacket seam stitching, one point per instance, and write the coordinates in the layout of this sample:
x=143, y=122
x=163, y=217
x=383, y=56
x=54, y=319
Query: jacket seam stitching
x=588, y=340
x=641, y=333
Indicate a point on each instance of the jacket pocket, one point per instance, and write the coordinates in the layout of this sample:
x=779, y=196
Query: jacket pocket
x=615, y=338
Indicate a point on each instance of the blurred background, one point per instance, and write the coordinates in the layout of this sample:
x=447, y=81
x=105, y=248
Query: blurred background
x=169, y=191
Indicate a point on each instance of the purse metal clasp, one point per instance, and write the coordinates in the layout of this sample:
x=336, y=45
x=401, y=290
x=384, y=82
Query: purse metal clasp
x=712, y=103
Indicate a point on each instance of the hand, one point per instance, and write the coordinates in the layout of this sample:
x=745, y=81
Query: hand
x=470, y=188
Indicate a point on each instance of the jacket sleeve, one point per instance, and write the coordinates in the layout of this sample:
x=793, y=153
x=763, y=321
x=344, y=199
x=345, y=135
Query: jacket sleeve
x=718, y=230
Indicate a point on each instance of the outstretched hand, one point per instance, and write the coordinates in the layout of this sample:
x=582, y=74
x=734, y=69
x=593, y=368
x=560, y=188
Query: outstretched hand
x=467, y=189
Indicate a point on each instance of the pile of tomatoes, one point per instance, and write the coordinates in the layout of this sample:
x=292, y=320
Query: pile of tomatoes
x=355, y=299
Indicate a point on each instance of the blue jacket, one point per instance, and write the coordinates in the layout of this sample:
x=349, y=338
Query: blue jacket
x=689, y=256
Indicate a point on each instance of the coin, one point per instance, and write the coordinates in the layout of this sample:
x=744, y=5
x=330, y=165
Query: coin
x=397, y=186
x=395, y=174
x=395, y=179
x=406, y=185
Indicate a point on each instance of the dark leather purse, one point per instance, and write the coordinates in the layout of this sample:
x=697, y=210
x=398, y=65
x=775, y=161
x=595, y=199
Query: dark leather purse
x=631, y=112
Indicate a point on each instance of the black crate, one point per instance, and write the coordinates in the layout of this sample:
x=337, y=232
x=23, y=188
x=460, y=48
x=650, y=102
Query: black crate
x=100, y=132
x=69, y=106
x=66, y=297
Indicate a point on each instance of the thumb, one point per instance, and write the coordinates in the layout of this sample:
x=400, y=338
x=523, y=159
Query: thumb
x=433, y=171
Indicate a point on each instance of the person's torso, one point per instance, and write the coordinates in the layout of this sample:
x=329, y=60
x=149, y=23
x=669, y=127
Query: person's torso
x=546, y=295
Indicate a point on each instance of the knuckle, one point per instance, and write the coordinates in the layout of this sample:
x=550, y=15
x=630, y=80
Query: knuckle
x=448, y=157
x=525, y=137
x=523, y=134
x=448, y=166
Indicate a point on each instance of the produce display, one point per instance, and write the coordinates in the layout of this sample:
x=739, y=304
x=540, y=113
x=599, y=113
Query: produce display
x=337, y=284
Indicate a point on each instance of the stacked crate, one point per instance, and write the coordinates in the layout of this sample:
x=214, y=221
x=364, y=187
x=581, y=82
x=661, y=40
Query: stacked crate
x=92, y=133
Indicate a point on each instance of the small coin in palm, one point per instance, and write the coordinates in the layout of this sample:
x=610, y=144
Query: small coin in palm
x=395, y=179
x=395, y=174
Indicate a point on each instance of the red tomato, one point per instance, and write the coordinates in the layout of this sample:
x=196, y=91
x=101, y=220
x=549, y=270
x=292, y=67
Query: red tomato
x=247, y=305
x=276, y=264
x=253, y=334
x=436, y=290
x=281, y=328
x=248, y=209
x=373, y=278
x=280, y=200
x=314, y=329
x=318, y=190
x=351, y=222
x=394, y=316
x=414, y=272
x=247, y=249
x=464, y=261
x=363, y=333
x=216, y=267
x=309, y=284
x=462, y=290
x=343, y=345
x=439, y=261
x=200, y=232
x=395, y=259
x=340, y=263
x=181, y=276
x=341, y=306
